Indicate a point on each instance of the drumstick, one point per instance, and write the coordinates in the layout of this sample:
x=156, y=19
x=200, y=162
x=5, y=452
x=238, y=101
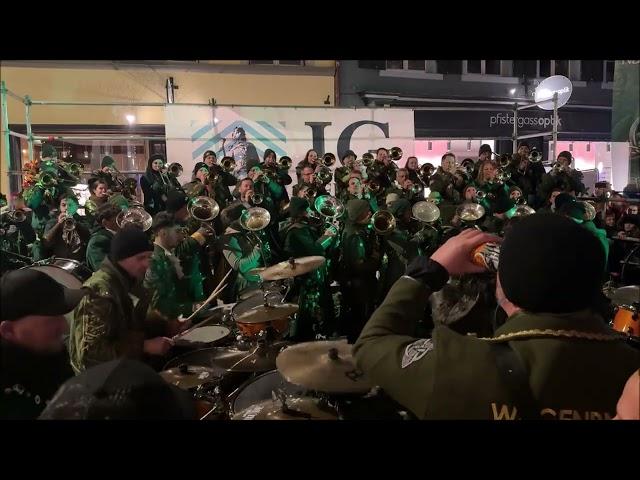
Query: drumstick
x=215, y=292
x=201, y=323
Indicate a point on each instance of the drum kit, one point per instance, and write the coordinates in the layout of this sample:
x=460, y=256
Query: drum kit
x=626, y=301
x=248, y=371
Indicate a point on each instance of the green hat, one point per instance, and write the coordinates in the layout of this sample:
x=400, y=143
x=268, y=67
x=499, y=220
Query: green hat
x=297, y=206
x=356, y=208
x=107, y=161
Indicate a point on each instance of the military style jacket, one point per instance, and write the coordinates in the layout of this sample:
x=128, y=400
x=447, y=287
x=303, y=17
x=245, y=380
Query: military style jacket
x=106, y=324
x=577, y=366
x=98, y=247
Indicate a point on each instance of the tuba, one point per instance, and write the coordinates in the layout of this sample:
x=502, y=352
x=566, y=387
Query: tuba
x=470, y=212
x=255, y=219
x=329, y=207
x=425, y=212
x=135, y=216
x=383, y=222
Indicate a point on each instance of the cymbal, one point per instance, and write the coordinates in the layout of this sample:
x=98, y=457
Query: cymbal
x=257, y=359
x=324, y=366
x=297, y=408
x=626, y=295
x=299, y=266
x=261, y=314
x=190, y=376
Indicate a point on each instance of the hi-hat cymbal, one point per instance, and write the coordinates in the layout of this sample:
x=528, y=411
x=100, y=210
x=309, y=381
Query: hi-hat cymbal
x=626, y=295
x=190, y=376
x=292, y=268
x=324, y=366
x=296, y=408
x=268, y=313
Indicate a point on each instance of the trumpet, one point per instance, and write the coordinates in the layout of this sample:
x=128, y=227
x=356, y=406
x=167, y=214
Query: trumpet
x=425, y=173
x=45, y=180
x=228, y=164
x=503, y=176
x=395, y=153
x=255, y=198
x=383, y=222
x=175, y=169
x=284, y=162
x=560, y=167
x=68, y=224
x=310, y=193
x=16, y=216
x=373, y=186
x=368, y=159
x=535, y=156
x=328, y=159
x=503, y=159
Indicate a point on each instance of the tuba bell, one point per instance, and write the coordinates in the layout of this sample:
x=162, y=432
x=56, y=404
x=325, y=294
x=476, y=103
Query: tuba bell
x=134, y=216
x=329, y=207
x=255, y=219
x=425, y=212
x=470, y=212
x=383, y=222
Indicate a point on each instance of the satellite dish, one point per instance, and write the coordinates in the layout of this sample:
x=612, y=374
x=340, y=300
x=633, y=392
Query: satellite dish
x=557, y=84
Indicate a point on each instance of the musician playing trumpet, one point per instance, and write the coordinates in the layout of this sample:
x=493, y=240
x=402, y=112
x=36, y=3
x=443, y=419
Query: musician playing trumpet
x=66, y=236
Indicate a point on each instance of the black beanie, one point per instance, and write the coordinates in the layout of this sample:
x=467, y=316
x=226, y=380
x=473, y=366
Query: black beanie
x=176, y=199
x=162, y=220
x=346, y=154
x=484, y=148
x=231, y=214
x=566, y=154
x=128, y=242
x=549, y=263
x=208, y=152
x=107, y=161
x=563, y=198
x=298, y=206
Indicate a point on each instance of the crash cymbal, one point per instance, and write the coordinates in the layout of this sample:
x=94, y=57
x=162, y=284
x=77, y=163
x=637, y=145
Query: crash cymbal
x=296, y=408
x=191, y=376
x=292, y=268
x=324, y=366
x=626, y=295
x=268, y=313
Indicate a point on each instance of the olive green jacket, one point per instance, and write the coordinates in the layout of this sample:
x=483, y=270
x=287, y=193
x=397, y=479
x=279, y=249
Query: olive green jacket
x=577, y=366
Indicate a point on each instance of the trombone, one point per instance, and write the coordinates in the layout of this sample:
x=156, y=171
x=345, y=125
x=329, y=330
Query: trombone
x=425, y=173
x=368, y=159
x=284, y=162
x=175, y=169
x=503, y=159
x=328, y=159
x=228, y=164
x=535, y=156
x=395, y=153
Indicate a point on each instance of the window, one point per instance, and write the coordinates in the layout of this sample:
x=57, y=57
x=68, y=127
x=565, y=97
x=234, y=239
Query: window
x=610, y=66
x=545, y=68
x=492, y=67
x=474, y=66
x=561, y=67
x=416, y=65
x=395, y=64
x=592, y=70
x=450, y=67
x=525, y=68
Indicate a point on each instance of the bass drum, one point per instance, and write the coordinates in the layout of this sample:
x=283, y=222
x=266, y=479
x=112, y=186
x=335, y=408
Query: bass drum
x=260, y=388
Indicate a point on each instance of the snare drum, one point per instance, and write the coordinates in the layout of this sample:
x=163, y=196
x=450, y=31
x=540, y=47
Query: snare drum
x=627, y=320
x=252, y=330
x=205, y=336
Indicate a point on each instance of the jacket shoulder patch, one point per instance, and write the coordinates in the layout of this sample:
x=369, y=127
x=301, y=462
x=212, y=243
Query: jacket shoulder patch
x=415, y=351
